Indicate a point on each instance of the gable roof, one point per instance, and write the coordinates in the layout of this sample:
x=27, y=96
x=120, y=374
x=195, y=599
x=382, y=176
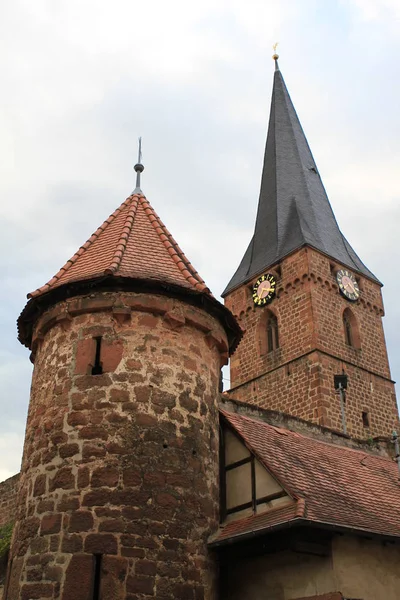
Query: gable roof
x=293, y=208
x=333, y=485
x=133, y=242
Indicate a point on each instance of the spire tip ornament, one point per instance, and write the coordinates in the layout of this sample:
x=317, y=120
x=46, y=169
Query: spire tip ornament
x=275, y=56
x=139, y=168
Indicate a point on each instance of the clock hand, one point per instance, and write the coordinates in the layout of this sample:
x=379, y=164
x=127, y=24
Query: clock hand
x=265, y=292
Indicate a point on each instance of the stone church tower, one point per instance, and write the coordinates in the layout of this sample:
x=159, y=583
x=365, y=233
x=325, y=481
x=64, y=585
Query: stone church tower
x=119, y=481
x=322, y=314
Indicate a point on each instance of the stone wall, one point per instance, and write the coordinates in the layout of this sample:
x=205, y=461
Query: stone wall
x=297, y=377
x=8, y=497
x=355, y=567
x=119, y=483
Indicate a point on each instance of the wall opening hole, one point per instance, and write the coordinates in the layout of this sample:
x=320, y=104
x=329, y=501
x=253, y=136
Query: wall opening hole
x=194, y=452
x=97, y=369
x=365, y=418
x=165, y=445
x=96, y=576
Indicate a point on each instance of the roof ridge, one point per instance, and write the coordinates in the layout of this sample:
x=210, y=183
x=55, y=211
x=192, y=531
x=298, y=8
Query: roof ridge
x=82, y=249
x=173, y=248
x=121, y=246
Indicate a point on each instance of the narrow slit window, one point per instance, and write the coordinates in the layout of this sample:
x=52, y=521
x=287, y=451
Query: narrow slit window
x=97, y=369
x=365, y=418
x=96, y=576
x=350, y=328
x=272, y=333
x=347, y=330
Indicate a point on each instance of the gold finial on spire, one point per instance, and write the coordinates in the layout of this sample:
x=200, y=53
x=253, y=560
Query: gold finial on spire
x=275, y=56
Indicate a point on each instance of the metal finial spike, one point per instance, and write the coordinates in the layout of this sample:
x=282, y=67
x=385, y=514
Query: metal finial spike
x=275, y=56
x=139, y=168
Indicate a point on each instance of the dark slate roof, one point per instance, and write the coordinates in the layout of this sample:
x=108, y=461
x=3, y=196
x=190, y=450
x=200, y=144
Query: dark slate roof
x=293, y=208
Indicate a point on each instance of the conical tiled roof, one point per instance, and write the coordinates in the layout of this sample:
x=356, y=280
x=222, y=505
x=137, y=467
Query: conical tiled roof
x=133, y=242
x=293, y=208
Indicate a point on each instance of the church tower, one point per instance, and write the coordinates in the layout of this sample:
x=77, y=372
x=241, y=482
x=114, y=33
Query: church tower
x=309, y=307
x=119, y=480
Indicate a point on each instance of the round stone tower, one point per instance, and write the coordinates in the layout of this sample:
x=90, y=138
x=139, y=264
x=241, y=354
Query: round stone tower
x=119, y=482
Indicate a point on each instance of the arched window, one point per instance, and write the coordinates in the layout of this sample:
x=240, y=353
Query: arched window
x=272, y=332
x=267, y=332
x=351, y=334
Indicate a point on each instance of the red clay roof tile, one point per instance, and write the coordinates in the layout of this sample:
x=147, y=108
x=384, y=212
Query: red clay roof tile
x=132, y=242
x=341, y=486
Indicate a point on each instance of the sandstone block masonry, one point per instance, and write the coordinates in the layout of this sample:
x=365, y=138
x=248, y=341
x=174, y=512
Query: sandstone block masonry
x=119, y=481
x=297, y=376
x=8, y=497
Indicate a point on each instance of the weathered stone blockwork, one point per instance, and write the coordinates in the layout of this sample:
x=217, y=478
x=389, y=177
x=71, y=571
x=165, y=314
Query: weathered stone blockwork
x=8, y=496
x=121, y=464
x=297, y=378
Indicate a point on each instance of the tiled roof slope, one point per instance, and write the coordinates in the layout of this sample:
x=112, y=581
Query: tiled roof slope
x=340, y=486
x=132, y=242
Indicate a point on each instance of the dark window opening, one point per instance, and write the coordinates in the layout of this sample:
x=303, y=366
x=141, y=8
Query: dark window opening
x=96, y=576
x=351, y=332
x=347, y=330
x=365, y=419
x=272, y=333
x=97, y=369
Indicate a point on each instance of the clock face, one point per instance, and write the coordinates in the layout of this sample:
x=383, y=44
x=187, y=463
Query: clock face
x=348, y=285
x=264, y=289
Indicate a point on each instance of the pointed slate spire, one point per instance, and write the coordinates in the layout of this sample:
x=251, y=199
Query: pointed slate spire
x=293, y=209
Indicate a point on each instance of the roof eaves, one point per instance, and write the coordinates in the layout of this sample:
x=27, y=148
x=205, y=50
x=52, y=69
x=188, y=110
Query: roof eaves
x=239, y=537
x=301, y=522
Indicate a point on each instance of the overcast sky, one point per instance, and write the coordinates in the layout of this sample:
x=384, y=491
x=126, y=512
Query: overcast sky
x=82, y=79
